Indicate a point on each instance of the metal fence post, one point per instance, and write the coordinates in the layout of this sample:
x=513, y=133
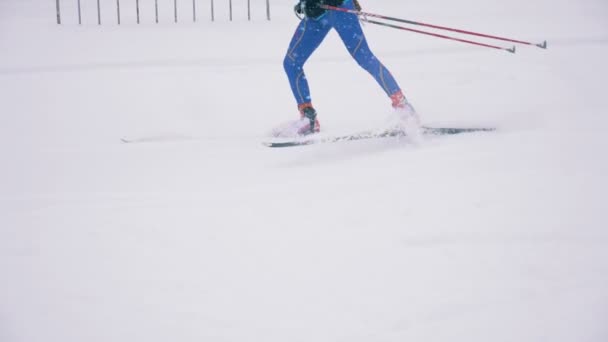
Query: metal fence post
x=212, y=11
x=175, y=9
x=156, y=9
x=79, y=14
x=249, y=10
x=193, y=10
x=58, y=13
x=268, y=9
x=98, y=13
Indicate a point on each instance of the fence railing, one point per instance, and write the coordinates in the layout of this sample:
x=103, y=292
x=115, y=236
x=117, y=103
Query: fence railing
x=176, y=9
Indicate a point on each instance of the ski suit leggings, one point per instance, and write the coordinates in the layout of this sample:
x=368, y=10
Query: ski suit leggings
x=309, y=35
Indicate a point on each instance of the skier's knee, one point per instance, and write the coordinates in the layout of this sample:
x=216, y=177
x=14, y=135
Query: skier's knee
x=289, y=64
x=366, y=61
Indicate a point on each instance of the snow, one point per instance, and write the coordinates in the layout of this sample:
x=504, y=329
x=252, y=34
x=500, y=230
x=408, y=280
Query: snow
x=210, y=236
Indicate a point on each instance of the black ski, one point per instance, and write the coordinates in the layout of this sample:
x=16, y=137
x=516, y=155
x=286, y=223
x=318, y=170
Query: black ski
x=428, y=131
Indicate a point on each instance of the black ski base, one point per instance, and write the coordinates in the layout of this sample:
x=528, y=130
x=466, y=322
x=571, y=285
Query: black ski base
x=427, y=131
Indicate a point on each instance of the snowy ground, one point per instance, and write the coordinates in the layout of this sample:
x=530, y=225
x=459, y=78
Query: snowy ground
x=214, y=237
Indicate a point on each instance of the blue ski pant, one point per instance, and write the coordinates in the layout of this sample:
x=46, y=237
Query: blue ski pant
x=309, y=35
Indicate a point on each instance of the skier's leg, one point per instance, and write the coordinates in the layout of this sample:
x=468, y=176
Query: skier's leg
x=306, y=39
x=348, y=27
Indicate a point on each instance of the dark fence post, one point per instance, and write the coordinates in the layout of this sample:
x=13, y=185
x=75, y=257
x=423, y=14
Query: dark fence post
x=156, y=9
x=230, y=5
x=79, y=14
x=98, y=13
x=249, y=10
x=137, y=10
x=58, y=14
x=118, y=10
x=268, y=9
x=175, y=9
x=193, y=10
x=212, y=11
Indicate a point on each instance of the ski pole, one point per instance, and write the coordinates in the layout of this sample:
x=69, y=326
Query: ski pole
x=542, y=45
x=511, y=50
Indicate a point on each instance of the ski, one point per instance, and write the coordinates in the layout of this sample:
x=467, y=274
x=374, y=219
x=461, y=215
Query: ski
x=427, y=131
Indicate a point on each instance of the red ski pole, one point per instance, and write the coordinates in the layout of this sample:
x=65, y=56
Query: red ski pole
x=511, y=50
x=365, y=14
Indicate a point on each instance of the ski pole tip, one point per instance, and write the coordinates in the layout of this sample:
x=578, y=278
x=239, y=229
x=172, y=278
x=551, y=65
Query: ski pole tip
x=542, y=45
x=511, y=50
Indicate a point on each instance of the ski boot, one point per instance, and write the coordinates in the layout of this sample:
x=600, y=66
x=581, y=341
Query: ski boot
x=405, y=117
x=307, y=124
x=309, y=115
